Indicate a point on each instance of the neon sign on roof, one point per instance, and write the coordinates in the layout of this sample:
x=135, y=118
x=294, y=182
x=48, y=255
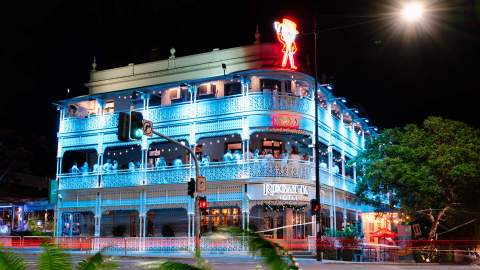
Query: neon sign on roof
x=286, y=34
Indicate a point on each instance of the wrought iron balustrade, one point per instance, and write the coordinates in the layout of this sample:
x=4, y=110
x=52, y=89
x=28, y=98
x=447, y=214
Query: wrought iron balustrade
x=76, y=124
x=168, y=175
x=212, y=107
x=78, y=181
x=123, y=178
x=350, y=186
x=215, y=171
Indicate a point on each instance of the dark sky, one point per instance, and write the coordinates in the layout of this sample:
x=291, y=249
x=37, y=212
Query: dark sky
x=393, y=76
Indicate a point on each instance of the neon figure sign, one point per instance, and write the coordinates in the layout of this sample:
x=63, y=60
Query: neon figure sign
x=286, y=33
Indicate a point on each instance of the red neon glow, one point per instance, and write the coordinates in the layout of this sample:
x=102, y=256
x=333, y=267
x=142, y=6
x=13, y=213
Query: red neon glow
x=285, y=121
x=286, y=33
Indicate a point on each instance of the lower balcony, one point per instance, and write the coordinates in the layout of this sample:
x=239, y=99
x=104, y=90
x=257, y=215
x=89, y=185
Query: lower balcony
x=216, y=171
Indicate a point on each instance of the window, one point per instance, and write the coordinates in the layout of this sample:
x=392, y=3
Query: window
x=174, y=94
x=288, y=87
x=109, y=106
x=272, y=147
x=178, y=95
x=269, y=84
x=206, y=91
x=234, y=88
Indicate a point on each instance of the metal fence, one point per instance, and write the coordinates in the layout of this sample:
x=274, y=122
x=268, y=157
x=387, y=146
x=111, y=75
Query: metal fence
x=346, y=249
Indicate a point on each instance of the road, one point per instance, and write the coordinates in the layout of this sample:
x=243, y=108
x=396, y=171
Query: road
x=244, y=263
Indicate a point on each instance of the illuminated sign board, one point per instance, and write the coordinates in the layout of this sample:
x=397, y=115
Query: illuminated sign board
x=285, y=121
x=286, y=33
x=289, y=192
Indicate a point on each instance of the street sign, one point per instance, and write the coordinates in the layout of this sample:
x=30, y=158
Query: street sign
x=147, y=128
x=53, y=188
x=201, y=184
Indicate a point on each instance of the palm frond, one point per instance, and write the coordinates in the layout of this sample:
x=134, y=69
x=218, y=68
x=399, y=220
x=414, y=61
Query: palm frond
x=97, y=261
x=169, y=265
x=11, y=261
x=272, y=254
x=53, y=258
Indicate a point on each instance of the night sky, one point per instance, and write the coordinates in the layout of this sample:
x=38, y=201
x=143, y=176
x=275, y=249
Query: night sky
x=395, y=73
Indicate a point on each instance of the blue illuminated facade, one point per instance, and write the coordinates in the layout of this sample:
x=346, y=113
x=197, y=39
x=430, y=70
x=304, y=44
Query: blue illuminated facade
x=252, y=129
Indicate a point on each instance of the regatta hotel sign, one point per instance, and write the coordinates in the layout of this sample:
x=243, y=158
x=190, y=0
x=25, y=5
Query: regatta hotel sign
x=286, y=191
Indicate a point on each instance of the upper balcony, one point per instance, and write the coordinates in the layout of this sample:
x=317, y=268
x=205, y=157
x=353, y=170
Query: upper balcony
x=247, y=171
x=253, y=102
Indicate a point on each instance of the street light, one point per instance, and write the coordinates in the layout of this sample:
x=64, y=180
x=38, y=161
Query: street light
x=355, y=110
x=342, y=99
x=412, y=11
x=364, y=119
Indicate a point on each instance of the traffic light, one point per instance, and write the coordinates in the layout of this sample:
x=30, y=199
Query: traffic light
x=123, y=126
x=136, y=125
x=191, y=187
x=202, y=203
x=315, y=206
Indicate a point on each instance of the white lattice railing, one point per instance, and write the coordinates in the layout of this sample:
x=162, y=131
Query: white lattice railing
x=78, y=181
x=216, y=171
x=213, y=107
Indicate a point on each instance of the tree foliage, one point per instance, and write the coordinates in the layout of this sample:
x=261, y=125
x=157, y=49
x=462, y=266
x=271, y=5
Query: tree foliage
x=53, y=257
x=426, y=170
x=11, y=261
x=97, y=261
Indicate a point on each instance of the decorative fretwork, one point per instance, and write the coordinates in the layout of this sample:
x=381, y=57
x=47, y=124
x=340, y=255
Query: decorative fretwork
x=224, y=171
x=168, y=176
x=79, y=142
x=214, y=245
x=278, y=168
x=219, y=106
x=81, y=124
x=169, y=113
x=75, y=181
x=122, y=179
x=221, y=125
x=111, y=120
x=216, y=171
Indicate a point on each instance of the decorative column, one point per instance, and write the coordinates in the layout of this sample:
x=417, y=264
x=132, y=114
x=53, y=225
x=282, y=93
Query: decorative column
x=344, y=210
x=98, y=214
x=191, y=219
x=245, y=208
x=58, y=219
x=333, y=215
x=245, y=139
x=355, y=173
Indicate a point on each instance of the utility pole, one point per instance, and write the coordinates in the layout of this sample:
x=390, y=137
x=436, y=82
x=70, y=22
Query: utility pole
x=195, y=195
x=318, y=214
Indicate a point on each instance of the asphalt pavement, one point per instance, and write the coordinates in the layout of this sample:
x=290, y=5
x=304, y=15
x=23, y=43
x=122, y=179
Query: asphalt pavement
x=250, y=263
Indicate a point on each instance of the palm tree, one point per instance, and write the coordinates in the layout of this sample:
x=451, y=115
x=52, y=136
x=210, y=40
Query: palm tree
x=274, y=256
x=55, y=258
x=11, y=261
x=97, y=261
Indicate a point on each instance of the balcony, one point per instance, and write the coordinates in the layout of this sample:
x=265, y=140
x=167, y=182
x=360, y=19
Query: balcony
x=204, y=108
x=216, y=171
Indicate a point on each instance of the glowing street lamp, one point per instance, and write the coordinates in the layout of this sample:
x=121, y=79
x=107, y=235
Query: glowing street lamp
x=412, y=12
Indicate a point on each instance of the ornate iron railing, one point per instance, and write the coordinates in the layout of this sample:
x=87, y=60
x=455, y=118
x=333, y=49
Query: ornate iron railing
x=121, y=179
x=78, y=181
x=216, y=171
x=204, y=108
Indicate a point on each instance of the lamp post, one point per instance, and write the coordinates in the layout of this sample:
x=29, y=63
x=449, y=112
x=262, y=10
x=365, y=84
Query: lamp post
x=318, y=213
